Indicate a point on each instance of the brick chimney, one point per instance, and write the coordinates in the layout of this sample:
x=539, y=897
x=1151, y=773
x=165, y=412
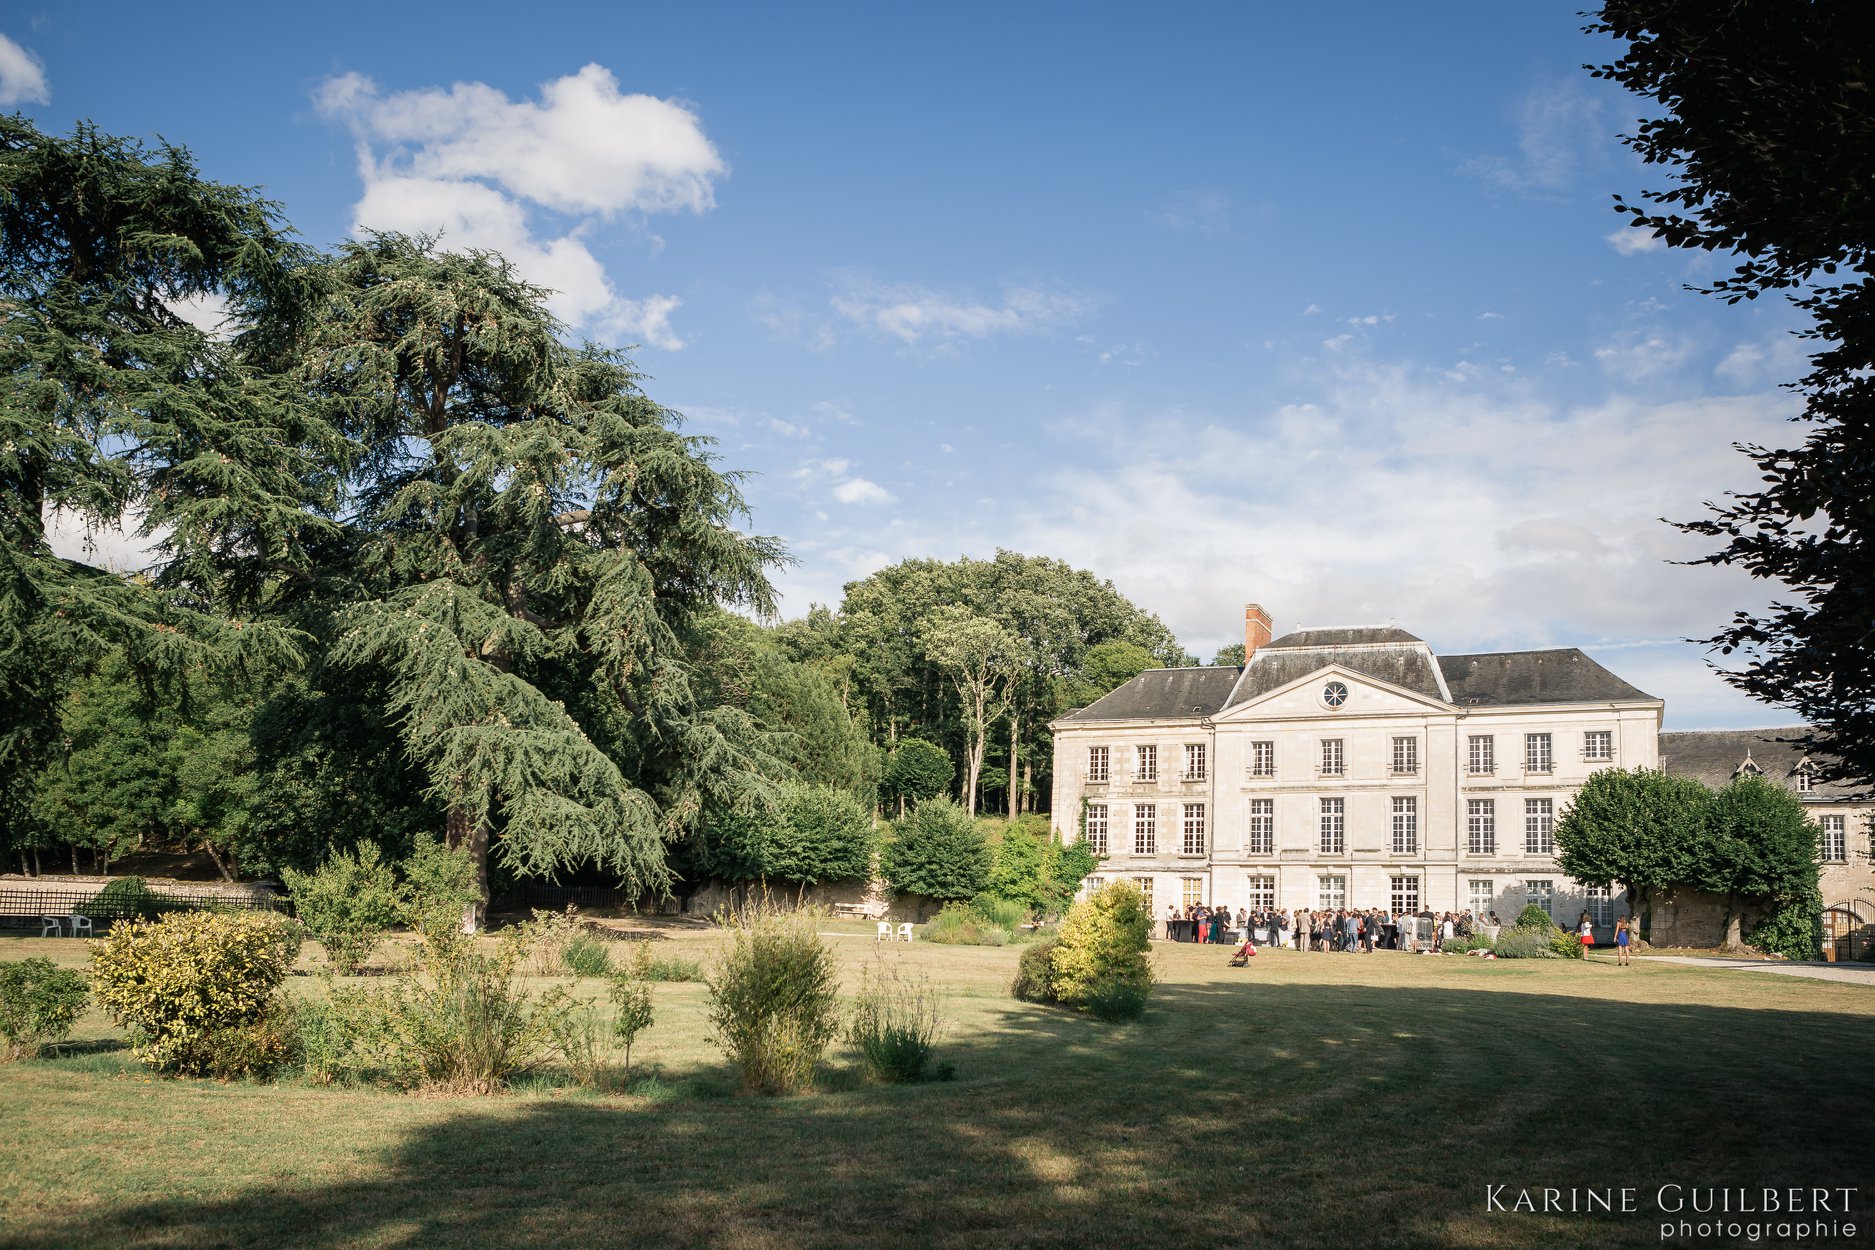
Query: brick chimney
x=1256, y=629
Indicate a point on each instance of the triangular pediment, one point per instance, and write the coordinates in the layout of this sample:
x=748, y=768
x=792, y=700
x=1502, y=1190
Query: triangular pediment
x=1309, y=696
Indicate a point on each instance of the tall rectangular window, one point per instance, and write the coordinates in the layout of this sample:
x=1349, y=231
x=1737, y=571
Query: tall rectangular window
x=1481, y=757
x=1191, y=890
x=1598, y=745
x=1331, y=757
x=1539, y=894
x=1835, y=839
x=1194, y=761
x=1481, y=826
x=1192, y=833
x=1262, y=893
x=1405, y=756
x=1096, y=763
x=1145, y=829
x=1539, y=826
x=1147, y=761
x=1599, y=904
x=1332, y=892
x=1537, y=756
x=1406, y=895
x=1806, y=781
x=1144, y=885
x=1262, y=827
x=1262, y=759
x=1090, y=886
x=1406, y=826
x=1482, y=895
x=1097, y=828
x=1334, y=826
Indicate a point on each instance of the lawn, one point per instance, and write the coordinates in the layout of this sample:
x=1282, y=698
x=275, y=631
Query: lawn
x=1337, y=1101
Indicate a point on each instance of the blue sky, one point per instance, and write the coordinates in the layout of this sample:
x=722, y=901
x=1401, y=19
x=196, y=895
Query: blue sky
x=1325, y=309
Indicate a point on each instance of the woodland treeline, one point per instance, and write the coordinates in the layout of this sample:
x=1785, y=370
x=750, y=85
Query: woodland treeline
x=421, y=564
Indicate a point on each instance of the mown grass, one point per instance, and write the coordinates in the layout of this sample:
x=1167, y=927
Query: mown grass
x=1308, y=1100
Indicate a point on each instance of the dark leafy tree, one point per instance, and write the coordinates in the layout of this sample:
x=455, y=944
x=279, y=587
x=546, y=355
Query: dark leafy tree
x=1766, y=116
x=1762, y=849
x=822, y=835
x=938, y=852
x=1635, y=828
x=915, y=771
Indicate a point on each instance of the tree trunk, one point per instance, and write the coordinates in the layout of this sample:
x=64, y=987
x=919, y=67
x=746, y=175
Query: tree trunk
x=1015, y=790
x=37, y=870
x=220, y=866
x=978, y=742
x=459, y=832
x=74, y=849
x=1734, y=922
x=1028, y=787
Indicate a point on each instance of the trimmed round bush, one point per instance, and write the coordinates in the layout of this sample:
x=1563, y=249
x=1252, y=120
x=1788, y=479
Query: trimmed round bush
x=39, y=1002
x=1100, y=960
x=1035, y=974
x=1534, y=917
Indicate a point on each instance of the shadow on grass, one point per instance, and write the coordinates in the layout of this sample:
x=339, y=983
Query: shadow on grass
x=1257, y=1113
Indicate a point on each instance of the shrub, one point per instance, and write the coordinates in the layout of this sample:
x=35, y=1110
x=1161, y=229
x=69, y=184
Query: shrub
x=1466, y=945
x=937, y=851
x=895, y=1024
x=1005, y=914
x=959, y=924
x=655, y=968
x=347, y=905
x=126, y=898
x=587, y=956
x=1567, y=946
x=575, y=1033
x=546, y=938
x=1523, y=944
x=631, y=1013
x=1100, y=961
x=39, y=1002
x=1535, y=918
x=773, y=999
x=1793, y=929
x=199, y=990
x=440, y=891
x=459, y=1024
x=1035, y=974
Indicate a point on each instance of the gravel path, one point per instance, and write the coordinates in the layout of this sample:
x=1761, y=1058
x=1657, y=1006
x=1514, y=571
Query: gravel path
x=1855, y=974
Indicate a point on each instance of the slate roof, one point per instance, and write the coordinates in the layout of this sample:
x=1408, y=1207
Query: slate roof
x=1365, y=636
x=1712, y=757
x=1164, y=693
x=1408, y=666
x=1506, y=678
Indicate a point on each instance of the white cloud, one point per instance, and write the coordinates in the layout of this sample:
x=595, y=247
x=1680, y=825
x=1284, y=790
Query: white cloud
x=468, y=163
x=1564, y=129
x=1206, y=212
x=912, y=314
x=22, y=77
x=859, y=490
x=207, y=312
x=1643, y=354
x=1631, y=240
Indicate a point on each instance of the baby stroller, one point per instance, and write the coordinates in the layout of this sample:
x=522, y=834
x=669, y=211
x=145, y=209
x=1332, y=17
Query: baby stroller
x=1244, y=954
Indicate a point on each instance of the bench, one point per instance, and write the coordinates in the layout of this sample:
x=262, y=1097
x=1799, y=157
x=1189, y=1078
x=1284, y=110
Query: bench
x=860, y=911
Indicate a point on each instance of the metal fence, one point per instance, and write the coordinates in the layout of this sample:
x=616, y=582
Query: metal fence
x=25, y=907
x=556, y=897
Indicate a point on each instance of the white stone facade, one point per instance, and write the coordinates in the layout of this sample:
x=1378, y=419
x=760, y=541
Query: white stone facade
x=1365, y=780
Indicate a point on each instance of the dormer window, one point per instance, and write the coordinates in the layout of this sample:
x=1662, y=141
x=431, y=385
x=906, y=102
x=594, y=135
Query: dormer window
x=1748, y=768
x=1804, y=776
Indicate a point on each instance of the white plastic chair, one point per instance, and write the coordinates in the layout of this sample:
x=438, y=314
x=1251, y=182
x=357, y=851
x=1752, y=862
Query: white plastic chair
x=81, y=925
x=885, y=931
x=49, y=926
x=904, y=932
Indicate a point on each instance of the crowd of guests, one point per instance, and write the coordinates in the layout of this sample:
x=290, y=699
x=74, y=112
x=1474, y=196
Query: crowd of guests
x=1340, y=929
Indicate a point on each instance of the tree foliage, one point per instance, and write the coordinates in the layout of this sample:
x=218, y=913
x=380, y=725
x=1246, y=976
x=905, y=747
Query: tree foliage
x=1762, y=847
x=1766, y=119
x=1636, y=828
x=937, y=851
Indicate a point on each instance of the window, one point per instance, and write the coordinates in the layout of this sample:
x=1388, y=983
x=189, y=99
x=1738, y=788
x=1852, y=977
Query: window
x=1537, y=757
x=1334, y=826
x=1406, y=826
x=1335, y=693
x=1539, y=894
x=1193, y=831
x=1835, y=843
x=1145, y=829
x=1599, y=904
x=1539, y=826
x=1331, y=757
x=1481, y=826
x=1148, y=760
x=1482, y=758
x=1406, y=895
x=1096, y=763
x=1262, y=827
x=1194, y=761
x=1090, y=886
x=1191, y=890
x=1332, y=892
x=1097, y=828
x=1262, y=893
x=1483, y=893
x=1262, y=759
x=1144, y=885
x=1598, y=744
x=1805, y=781
x=1406, y=756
